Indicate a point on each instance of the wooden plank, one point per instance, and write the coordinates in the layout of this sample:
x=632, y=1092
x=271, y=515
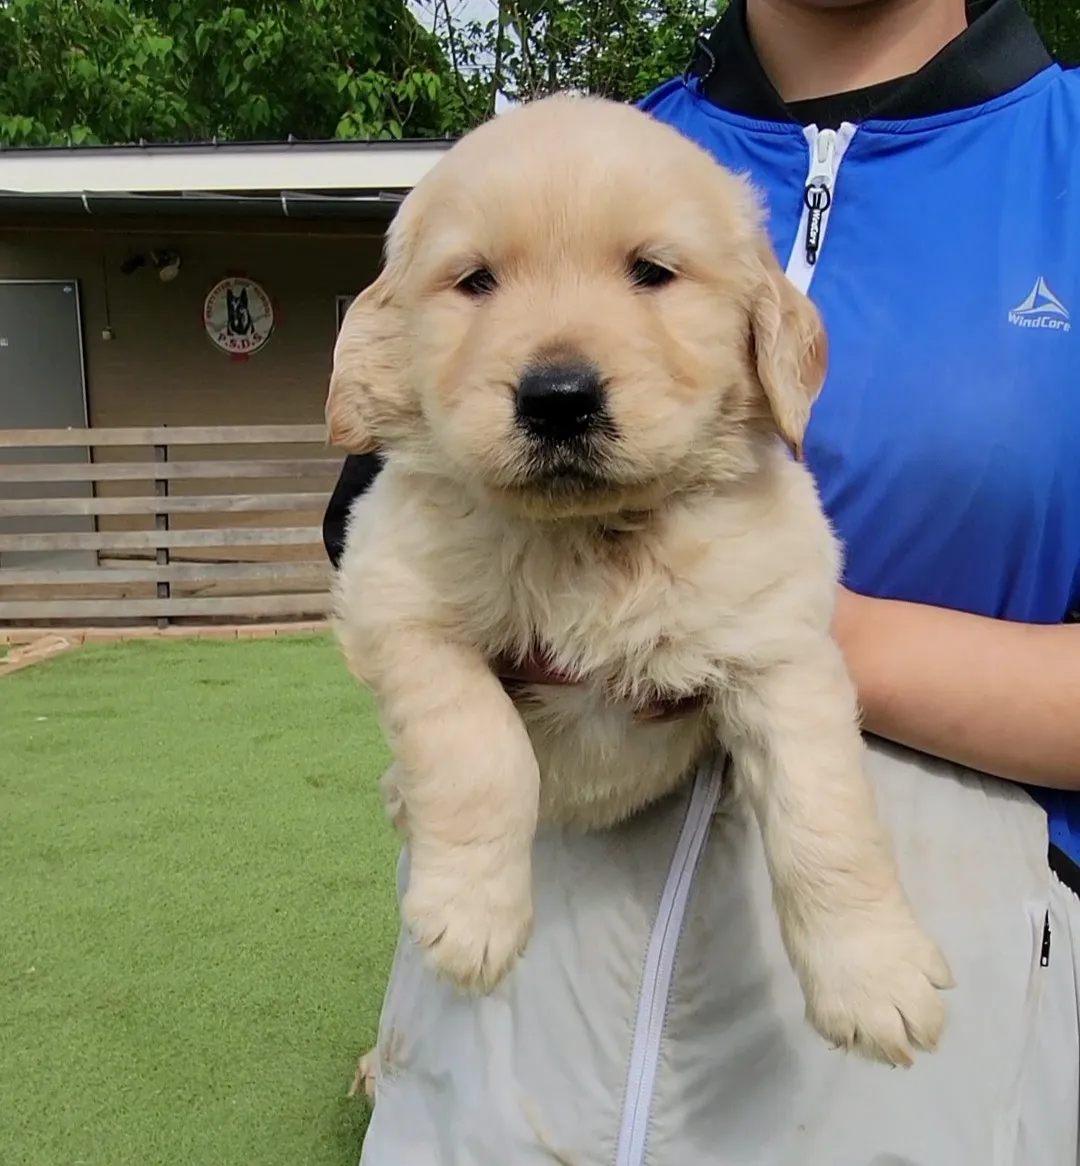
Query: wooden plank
x=165, y=435
x=143, y=471
x=173, y=573
x=164, y=504
x=134, y=540
x=304, y=479
x=239, y=606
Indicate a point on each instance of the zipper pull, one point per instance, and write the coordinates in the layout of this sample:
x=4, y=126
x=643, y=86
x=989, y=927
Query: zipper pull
x=1044, y=956
x=819, y=189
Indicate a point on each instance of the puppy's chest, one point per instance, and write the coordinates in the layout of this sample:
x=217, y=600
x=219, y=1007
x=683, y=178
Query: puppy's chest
x=621, y=613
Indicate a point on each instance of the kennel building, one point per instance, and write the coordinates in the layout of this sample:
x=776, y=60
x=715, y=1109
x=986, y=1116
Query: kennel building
x=187, y=288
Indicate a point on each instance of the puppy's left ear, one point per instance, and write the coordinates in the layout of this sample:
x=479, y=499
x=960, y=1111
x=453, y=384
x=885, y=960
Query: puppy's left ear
x=371, y=402
x=790, y=350
x=368, y=400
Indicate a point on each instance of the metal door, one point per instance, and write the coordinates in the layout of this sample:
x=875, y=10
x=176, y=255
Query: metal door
x=42, y=386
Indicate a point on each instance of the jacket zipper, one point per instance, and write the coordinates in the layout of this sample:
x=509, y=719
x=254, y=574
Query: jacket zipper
x=660, y=965
x=827, y=149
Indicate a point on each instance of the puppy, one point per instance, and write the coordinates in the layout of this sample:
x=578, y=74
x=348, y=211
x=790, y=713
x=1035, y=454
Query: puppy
x=591, y=380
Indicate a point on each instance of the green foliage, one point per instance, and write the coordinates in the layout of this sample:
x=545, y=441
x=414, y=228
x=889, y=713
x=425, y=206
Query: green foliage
x=1059, y=23
x=89, y=71
x=179, y=70
x=615, y=48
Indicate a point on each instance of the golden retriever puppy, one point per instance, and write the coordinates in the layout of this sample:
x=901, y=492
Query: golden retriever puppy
x=589, y=374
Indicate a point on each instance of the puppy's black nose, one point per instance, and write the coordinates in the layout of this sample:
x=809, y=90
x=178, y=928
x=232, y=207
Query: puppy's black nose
x=559, y=402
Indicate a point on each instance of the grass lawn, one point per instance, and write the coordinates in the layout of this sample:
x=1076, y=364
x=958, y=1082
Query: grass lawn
x=196, y=905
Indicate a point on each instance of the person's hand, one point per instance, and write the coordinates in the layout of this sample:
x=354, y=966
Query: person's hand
x=535, y=670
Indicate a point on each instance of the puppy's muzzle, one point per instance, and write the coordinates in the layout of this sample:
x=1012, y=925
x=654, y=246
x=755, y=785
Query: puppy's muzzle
x=559, y=403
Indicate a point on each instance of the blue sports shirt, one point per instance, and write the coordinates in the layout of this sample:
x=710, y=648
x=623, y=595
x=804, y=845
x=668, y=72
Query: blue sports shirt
x=943, y=251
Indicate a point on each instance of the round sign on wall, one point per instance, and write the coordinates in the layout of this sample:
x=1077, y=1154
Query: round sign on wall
x=238, y=316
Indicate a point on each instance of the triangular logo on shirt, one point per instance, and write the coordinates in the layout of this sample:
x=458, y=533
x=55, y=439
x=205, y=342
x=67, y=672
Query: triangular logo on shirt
x=1041, y=309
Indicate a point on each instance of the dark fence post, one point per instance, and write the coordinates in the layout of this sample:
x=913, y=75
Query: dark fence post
x=161, y=523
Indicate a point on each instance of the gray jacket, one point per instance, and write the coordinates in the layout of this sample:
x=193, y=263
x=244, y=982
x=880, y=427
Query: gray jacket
x=655, y=1021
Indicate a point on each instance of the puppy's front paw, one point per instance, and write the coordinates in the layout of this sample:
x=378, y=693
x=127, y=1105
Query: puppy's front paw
x=473, y=922
x=872, y=984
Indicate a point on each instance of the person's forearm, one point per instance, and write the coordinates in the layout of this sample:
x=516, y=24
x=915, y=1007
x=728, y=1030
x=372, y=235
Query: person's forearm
x=1000, y=697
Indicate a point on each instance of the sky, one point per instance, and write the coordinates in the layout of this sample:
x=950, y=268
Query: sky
x=463, y=11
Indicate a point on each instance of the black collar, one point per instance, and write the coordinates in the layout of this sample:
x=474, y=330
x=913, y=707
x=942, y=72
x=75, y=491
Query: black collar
x=999, y=51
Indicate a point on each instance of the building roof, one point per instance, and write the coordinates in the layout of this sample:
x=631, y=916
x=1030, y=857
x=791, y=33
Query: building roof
x=294, y=179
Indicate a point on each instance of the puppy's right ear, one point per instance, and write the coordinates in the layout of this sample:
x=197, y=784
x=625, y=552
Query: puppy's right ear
x=790, y=348
x=368, y=400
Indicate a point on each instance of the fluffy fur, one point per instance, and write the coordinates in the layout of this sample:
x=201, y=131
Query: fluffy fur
x=677, y=550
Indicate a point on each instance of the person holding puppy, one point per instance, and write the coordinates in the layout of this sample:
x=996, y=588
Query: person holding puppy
x=921, y=167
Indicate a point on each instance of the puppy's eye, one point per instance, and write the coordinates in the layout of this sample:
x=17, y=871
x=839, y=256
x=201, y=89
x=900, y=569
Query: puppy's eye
x=646, y=274
x=480, y=282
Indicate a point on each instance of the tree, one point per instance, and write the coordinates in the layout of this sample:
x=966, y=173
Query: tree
x=179, y=70
x=1059, y=23
x=613, y=48
x=185, y=70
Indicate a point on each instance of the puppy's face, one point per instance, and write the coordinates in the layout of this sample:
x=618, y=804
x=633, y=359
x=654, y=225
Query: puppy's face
x=579, y=313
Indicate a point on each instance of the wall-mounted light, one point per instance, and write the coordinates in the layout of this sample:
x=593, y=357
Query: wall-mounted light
x=165, y=263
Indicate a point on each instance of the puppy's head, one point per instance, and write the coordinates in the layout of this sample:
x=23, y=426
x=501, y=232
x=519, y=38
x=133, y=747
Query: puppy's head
x=579, y=312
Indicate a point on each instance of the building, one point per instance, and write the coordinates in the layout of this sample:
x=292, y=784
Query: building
x=186, y=284
x=176, y=285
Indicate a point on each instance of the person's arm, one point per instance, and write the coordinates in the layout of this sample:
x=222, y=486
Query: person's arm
x=357, y=474
x=996, y=696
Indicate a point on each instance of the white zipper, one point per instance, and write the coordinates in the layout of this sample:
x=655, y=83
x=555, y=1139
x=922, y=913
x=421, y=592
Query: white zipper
x=660, y=964
x=827, y=148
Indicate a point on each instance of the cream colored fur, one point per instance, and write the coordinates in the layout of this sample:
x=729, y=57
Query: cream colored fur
x=698, y=560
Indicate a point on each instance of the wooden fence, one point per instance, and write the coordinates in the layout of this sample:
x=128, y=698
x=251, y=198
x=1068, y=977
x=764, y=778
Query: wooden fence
x=165, y=525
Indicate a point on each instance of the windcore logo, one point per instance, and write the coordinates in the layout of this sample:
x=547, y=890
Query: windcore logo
x=1041, y=309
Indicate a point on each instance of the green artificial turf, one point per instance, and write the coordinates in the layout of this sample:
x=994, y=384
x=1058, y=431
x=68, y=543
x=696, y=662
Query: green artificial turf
x=196, y=905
